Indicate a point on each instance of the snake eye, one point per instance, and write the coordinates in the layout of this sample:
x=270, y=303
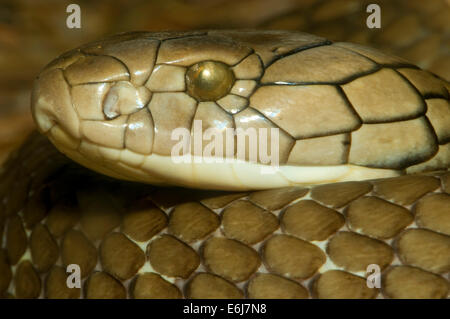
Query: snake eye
x=209, y=80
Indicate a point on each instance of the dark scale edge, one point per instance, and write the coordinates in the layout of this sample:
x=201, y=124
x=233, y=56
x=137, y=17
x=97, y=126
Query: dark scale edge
x=110, y=56
x=350, y=106
x=124, y=133
x=386, y=65
x=189, y=34
x=191, y=126
x=345, y=80
x=297, y=50
x=71, y=100
x=289, y=153
x=127, y=128
x=252, y=51
x=270, y=121
x=347, y=144
x=407, y=162
x=154, y=62
x=447, y=139
x=429, y=96
x=426, y=95
x=293, y=139
x=258, y=79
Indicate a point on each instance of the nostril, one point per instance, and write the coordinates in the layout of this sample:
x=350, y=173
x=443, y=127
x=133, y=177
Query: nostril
x=110, y=106
x=124, y=98
x=44, y=119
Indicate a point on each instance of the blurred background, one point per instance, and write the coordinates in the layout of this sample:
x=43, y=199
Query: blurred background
x=33, y=32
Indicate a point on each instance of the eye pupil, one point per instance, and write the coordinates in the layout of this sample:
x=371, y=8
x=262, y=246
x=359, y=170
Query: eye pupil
x=209, y=80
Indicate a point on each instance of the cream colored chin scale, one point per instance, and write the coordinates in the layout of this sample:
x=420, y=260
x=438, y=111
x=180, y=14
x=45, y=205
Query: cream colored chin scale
x=242, y=110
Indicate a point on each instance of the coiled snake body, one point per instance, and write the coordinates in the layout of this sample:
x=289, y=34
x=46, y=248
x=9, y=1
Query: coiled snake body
x=371, y=128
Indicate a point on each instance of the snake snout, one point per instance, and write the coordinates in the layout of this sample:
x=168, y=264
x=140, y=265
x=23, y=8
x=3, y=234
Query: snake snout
x=51, y=103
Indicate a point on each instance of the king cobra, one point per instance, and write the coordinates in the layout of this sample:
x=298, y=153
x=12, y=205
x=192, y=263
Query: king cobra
x=362, y=187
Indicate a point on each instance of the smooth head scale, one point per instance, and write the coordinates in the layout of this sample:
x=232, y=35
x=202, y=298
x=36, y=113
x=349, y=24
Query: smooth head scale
x=330, y=111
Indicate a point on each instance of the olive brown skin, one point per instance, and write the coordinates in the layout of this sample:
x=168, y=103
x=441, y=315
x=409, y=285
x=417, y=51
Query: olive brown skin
x=141, y=241
x=144, y=241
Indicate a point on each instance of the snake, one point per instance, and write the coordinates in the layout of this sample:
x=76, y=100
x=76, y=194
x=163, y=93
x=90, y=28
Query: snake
x=361, y=182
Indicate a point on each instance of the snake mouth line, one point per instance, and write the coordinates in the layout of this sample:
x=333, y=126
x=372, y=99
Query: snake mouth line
x=196, y=172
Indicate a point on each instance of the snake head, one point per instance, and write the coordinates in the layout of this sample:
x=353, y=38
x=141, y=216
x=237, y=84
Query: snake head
x=340, y=111
x=127, y=93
